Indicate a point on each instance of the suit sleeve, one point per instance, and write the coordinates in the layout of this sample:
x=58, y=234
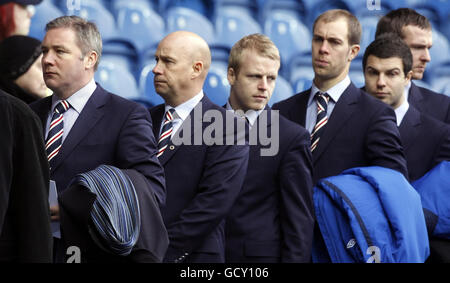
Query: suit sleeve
x=296, y=207
x=383, y=142
x=222, y=179
x=137, y=150
x=29, y=205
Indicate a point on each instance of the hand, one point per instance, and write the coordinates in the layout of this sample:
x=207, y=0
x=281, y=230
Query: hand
x=54, y=213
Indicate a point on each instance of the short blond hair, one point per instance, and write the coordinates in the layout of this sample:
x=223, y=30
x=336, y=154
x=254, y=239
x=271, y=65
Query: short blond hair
x=353, y=25
x=257, y=42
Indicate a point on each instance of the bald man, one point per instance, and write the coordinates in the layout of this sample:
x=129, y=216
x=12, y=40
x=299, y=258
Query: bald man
x=203, y=174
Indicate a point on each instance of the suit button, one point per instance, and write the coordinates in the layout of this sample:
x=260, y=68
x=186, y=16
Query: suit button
x=172, y=147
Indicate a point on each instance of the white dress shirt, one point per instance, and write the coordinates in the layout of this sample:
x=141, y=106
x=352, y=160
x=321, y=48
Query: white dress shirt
x=77, y=102
x=182, y=111
x=335, y=93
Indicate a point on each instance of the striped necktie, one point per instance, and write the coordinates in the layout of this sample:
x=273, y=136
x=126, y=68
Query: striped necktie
x=322, y=104
x=166, y=132
x=55, y=132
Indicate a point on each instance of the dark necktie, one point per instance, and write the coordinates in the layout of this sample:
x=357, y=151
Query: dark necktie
x=322, y=104
x=55, y=133
x=166, y=132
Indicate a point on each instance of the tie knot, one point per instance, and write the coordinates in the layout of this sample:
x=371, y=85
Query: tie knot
x=322, y=96
x=62, y=107
x=169, y=114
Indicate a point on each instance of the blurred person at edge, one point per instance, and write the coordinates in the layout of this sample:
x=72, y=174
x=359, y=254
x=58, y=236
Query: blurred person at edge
x=21, y=68
x=15, y=17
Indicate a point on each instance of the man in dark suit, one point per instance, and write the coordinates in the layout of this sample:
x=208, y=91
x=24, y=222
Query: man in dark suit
x=272, y=219
x=97, y=127
x=387, y=66
x=203, y=174
x=25, y=234
x=415, y=30
x=357, y=129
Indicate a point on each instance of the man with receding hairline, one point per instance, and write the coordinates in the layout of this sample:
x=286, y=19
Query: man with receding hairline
x=356, y=129
x=203, y=179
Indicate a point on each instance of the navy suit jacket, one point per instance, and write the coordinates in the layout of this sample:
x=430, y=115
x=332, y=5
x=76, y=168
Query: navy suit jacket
x=434, y=104
x=203, y=181
x=426, y=142
x=361, y=131
x=110, y=130
x=273, y=219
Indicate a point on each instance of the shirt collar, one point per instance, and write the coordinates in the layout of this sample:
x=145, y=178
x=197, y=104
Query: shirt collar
x=79, y=99
x=250, y=114
x=407, y=88
x=400, y=111
x=183, y=110
x=335, y=92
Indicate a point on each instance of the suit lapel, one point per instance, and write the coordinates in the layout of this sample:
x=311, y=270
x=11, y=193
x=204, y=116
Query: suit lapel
x=88, y=118
x=409, y=127
x=298, y=113
x=415, y=96
x=342, y=111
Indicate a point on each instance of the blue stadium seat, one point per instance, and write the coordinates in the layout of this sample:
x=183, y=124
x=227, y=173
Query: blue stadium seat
x=138, y=23
x=45, y=12
x=302, y=84
x=232, y=24
x=442, y=85
x=147, y=87
x=369, y=28
x=249, y=7
x=375, y=8
x=216, y=86
x=180, y=18
x=357, y=78
x=94, y=11
x=440, y=51
x=283, y=90
x=203, y=7
x=296, y=7
x=122, y=53
x=288, y=34
x=118, y=81
x=316, y=7
x=300, y=67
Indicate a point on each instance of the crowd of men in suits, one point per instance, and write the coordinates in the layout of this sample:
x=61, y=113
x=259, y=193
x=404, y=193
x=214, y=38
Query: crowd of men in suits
x=223, y=202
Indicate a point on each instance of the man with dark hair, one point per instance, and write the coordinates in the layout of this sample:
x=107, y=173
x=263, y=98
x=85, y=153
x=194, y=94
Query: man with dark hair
x=387, y=70
x=84, y=125
x=348, y=127
x=415, y=30
x=272, y=220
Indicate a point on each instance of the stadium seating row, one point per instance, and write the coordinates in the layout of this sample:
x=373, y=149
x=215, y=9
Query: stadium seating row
x=132, y=29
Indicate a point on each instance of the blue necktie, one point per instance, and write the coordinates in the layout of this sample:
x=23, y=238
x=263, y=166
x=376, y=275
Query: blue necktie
x=166, y=132
x=55, y=133
x=322, y=105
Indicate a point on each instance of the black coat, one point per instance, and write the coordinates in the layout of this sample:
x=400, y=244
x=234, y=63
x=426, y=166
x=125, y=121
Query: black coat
x=24, y=179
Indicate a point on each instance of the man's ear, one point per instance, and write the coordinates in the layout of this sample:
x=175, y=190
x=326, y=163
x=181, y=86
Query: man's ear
x=231, y=76
x=197, y=68
x=408, y=77
x=90, y=60
x=354, y=50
